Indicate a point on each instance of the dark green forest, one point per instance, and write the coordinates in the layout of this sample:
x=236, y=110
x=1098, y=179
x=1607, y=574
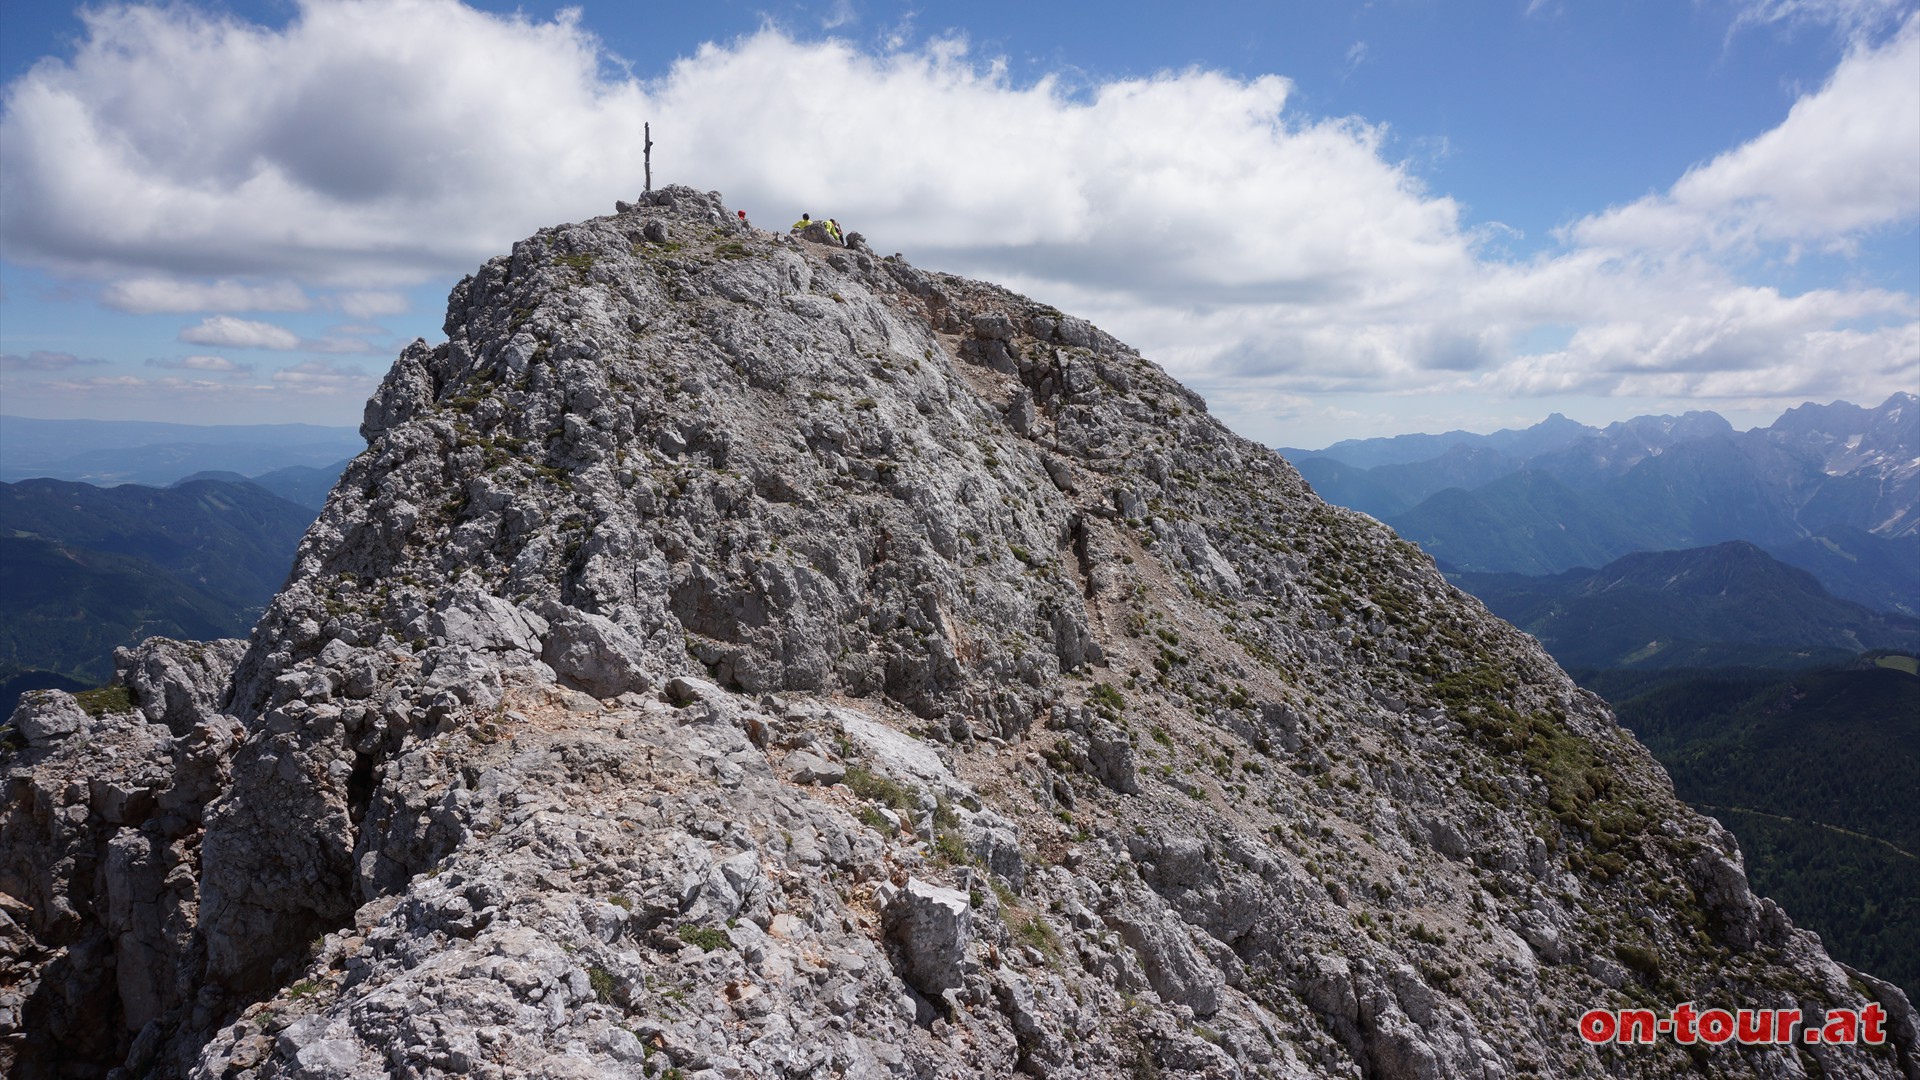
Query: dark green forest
x=85, y=569
x=1818, y=775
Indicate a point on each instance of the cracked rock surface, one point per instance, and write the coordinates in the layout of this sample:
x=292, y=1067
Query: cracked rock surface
x=739, y=656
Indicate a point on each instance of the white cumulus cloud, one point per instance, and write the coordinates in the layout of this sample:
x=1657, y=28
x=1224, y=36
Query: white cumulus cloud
x=148, y=295
x=372, y=303
x=1261, y=252
x=229, y=332
x=1845, y=160
x=324, y=377
x=232, y=333
x=218, y=364
x=364, y=143
x=1850, y=16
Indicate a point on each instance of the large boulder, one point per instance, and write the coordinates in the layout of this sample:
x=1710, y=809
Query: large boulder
x=178, y=683
x=1177, y=970
x=44, y=717
x=479, y=620
x=596, y=653
x=932, y=926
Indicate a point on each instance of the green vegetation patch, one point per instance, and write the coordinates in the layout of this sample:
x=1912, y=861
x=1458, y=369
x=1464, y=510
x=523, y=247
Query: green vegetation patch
x=1908, y=664
x=1641, y=958
x=1032, y=930
x=602, y=982
x=1578, y=783
x=708, y=938
x=871, y=785
x=949, y=847
x=107, y=699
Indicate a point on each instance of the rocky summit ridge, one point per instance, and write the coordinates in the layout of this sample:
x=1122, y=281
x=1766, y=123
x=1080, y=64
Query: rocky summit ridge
x=736, y=656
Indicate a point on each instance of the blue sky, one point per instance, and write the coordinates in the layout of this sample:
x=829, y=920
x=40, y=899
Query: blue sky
x=1331, y=219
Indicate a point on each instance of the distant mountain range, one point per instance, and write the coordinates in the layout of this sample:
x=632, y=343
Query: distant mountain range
x=301, y=484
x=1553, y=433
x=107, y=452
x=1744, y=581
x=1833, y=489
x=84, y=569
x=1880, y=572
x=1722, y=605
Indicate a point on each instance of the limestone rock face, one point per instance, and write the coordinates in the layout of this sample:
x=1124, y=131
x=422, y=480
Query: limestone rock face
x=45, y=719
x=99, y=838
x=933, y=926
x=594, y=652
x=178, y=683
x=753, y=657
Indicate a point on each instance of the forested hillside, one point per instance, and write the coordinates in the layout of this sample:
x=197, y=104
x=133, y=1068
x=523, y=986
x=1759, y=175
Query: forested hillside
x=1818, y=773
x=85, y=569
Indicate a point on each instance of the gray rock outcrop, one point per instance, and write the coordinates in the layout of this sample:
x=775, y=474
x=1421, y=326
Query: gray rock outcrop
x=750, y=657
x=178, y=683
x=595, y=653
x=99, y=833
x=933, y=927
x=44, y=719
